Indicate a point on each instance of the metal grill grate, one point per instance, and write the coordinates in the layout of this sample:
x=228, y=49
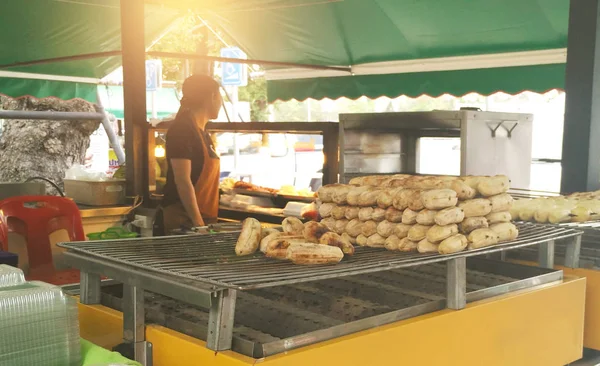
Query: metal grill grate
x=211, y=259
x=269, y=315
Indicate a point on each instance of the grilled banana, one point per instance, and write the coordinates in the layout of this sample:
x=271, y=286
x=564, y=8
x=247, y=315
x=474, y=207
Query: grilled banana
x=292, y=226
x=353, y=196
x=354, y=227
x=450, y=215
x=501, y=202
x=425, y=246
x=491, y=186
x=480, y=238
x=339, y=212
x=325, y=209
x=349, y=239
x=438, y=199
x=506, y=231
x=438, y=233
x=340, y=226
x=277, y=248
x=376, y=241
x=426, y=217
x=365, y=214
x=498, y=217
x=581, y=214
x=392, y=242
x=472, y=223
x=393, y=215
x=249, y=239
x=313, y=231
x=369, y=197
x=416, y=203
x=409, y=217
x=378, y=214
x=418, y=232
x=402, y=199
x=454, y=244
x=265, y=241
x=463, y=191
x=329, y=223
x=369, y=228
x=268, y=231
x=476, y=207
x=340, y=194
x=305, y=253
x=386, y=198
x=336, y=240
x=407, y=245
x=386, y=228
x=559, y=214
x=362, y=240
x=401, y=230
x=351, y=213
x=471, y=180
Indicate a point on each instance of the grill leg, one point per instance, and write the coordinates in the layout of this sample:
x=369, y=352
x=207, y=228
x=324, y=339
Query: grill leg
x=456, y=286
x=546, y=254
x=134, y=326
x=220, y=320
x=89, y=285
x=573, y=250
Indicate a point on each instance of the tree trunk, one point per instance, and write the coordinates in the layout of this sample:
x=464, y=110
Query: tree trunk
x=39, y=148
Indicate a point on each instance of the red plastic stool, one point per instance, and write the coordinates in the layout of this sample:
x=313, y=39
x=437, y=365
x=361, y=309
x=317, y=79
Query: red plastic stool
x=35, y=218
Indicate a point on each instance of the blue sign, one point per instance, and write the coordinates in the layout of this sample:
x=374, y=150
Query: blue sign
x=153, y=75
x=233, y=74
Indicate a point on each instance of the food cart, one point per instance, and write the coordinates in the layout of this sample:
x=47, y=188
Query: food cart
x=520, y=321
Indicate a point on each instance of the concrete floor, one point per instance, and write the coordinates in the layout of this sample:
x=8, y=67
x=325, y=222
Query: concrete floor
x=590, y=358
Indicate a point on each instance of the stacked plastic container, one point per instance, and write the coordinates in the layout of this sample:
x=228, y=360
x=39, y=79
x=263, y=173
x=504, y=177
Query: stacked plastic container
x=38, y=323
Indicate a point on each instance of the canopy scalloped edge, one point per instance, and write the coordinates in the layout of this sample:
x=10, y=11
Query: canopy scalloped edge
x=510, y=80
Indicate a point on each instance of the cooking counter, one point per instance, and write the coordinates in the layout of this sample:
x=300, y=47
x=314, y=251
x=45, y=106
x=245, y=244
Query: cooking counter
x=97, y=219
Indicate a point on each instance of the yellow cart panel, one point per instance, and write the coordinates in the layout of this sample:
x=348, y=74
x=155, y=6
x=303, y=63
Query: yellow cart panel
x=541, y=326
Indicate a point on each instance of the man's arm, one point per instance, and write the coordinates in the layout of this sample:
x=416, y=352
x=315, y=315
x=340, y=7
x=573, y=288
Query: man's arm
x=182, y=169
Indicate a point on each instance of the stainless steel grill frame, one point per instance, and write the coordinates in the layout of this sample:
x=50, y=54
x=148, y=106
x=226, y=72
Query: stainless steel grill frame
x=277, y=319
x=204, y=271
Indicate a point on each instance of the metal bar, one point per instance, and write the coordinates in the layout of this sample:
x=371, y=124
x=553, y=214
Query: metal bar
x=546, y=254
x=192, y=56
x=572, y=252
x=52, y=116
x=456, y=290
x=581, y=167
x=134, y=325
x=110, y=132
x=177, y=288
x=134, y=95
x=90, y=288
x=133, y=314
x=220, y=321
x=85, y=56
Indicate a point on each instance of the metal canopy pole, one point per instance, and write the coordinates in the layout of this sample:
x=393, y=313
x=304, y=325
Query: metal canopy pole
x=581, y=136
x=134, y=94
x=134, y=98
x=52, y=116
x=110, y=132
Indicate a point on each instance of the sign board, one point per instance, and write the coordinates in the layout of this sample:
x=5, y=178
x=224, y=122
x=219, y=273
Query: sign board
x=153, y=75
x=233, y=74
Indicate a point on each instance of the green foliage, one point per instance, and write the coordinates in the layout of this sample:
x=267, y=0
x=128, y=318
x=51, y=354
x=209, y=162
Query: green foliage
x=185, y=37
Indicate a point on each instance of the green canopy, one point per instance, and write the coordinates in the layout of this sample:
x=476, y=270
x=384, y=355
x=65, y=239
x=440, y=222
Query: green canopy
x=167, y=101
x=41, y=29
x=394, y=47
x=405, y=46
